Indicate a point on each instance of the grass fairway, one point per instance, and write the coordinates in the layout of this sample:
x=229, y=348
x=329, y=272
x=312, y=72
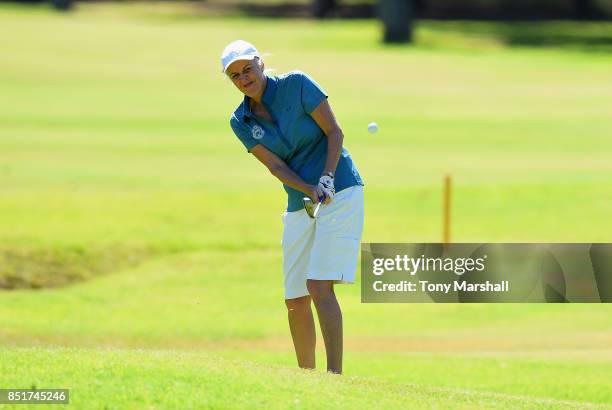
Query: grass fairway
x=118, y=379
x=119, y=172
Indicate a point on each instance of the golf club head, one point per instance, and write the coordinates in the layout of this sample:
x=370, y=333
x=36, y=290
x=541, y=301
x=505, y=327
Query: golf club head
x=311, y=208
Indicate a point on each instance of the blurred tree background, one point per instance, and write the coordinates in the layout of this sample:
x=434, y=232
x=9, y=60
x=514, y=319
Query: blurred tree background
x=398, y=16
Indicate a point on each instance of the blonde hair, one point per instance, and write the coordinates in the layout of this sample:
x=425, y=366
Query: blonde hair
x=266, y=70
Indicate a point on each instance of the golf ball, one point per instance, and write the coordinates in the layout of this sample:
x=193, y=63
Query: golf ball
x=372, y=127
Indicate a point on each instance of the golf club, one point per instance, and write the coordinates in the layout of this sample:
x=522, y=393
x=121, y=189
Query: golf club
x=311, y=209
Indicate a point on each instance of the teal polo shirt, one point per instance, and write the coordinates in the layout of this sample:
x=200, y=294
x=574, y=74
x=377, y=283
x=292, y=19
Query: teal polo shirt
x=292, y=134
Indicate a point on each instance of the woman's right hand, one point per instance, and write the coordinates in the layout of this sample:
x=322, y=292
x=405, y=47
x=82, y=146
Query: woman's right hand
x=315, y=193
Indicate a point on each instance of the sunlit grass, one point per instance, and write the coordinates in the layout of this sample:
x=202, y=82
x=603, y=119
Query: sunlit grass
x=118, y=170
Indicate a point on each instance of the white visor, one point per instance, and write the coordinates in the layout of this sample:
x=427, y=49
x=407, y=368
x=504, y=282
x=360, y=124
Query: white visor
x=237, y=50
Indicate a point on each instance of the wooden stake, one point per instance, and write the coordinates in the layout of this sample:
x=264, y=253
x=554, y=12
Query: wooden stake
x=447, y=209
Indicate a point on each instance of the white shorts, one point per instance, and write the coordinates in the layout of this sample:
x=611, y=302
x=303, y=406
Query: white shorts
x=325, y=248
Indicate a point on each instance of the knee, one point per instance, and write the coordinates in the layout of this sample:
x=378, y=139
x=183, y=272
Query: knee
x=298, y=304
x=319, y=289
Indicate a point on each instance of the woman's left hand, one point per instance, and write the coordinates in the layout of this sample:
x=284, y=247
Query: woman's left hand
x=326, y=185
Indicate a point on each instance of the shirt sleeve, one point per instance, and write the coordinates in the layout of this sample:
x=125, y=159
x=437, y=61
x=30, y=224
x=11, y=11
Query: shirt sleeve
x=243, y=133
x=312, y=93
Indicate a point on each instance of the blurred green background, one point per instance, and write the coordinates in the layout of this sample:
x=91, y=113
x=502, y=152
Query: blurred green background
x=140, y=243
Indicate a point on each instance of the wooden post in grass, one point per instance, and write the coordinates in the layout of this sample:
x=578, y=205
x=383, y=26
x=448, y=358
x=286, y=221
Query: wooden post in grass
x=446, y=218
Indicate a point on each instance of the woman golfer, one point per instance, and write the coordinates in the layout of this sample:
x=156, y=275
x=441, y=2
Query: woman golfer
x=287, y=124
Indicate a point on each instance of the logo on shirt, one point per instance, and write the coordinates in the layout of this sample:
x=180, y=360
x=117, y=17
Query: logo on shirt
x=257, y=132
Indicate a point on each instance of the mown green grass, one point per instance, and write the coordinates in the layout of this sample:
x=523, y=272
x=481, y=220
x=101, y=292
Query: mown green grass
x=120, y=379
x=533, y=351
x=118, y=168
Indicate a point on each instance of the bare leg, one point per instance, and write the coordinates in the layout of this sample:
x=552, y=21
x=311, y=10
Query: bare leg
x=301, y=324
x=330, y=319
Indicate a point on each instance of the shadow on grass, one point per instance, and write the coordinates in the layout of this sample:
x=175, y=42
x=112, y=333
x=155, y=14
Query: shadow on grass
x=584, y=36
x=288, y=10
x=35, y=268
x=585, y=44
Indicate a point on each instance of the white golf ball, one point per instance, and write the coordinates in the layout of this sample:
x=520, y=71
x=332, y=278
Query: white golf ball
x=372, y=127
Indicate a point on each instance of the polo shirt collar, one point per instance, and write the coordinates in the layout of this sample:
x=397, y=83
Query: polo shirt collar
x=267, y=98
x=270, y=91
x=246, y=109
